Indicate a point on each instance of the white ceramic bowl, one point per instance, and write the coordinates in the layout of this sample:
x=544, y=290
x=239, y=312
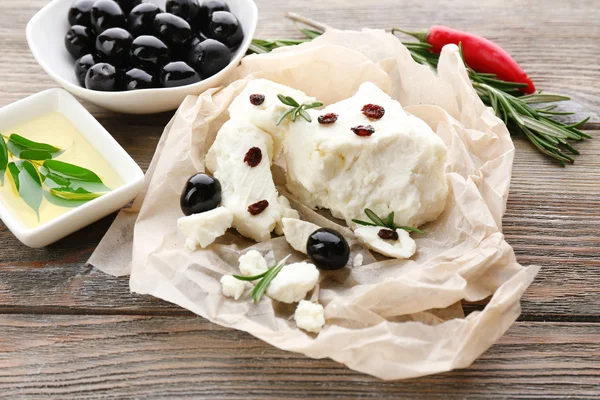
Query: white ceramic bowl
x=58, y=100
x=46, y=33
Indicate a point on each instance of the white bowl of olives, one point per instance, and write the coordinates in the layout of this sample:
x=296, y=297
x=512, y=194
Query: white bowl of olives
x=141, y=56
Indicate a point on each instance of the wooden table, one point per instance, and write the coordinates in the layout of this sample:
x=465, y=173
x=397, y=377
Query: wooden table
x=70, y=331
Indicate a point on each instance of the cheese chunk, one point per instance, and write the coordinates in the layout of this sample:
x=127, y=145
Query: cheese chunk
x=399, y=168
x=288, y=212
x=404, y=247
x=202, y=229
x=309, y=316
x=265, y=115
x=243, y=185
x=252, y=263
x=293, y=282
x=233, y=287
x=297, y=232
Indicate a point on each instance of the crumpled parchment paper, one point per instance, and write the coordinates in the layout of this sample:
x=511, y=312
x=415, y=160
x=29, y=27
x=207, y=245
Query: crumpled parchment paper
x=392, y=319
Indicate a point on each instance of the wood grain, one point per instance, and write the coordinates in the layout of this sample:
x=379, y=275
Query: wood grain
x=69, y=331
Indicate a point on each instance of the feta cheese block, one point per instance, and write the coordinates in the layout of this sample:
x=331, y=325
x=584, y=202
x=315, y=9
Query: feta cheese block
x=252, y=263
x=404, y=247
x=309, y=316
x=202, y=229
x=243, y=185
x=297, y=232
x=233, y=287
x=293, y=282
x=400, y=167
x=265, y=115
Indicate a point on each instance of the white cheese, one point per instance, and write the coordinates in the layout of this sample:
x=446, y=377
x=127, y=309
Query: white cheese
x=202, y=229
x=288, y=212
x=241, y=184
x=297, y=232
x=399, y=168
x=252, y=263
x=293, y=282
x=233, y=287
x=404, y=247
x=265, y=115
x=309, y=316
x=358, y=261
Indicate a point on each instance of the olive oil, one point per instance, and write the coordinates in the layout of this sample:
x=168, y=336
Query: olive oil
x=55, y=129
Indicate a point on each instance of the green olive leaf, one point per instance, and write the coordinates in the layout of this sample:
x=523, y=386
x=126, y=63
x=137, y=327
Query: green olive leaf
x=3, y=159
x=80, y=194
x=29, y=150
x=63, y=174
x=29, y=184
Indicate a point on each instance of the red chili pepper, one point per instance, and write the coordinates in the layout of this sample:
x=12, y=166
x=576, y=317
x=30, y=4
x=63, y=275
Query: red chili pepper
x=481, y=54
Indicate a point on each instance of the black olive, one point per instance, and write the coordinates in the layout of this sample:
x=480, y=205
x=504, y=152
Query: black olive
x=80, y=13
x=141, y=17
x=178, y=73
x=201, y=193
x=104, y=77
x=209, y=57
x=113, y=45
x=79, y=41
x=328, y=249
x=225, y=28
x=172, y=30
x=207, y=8
x=149, y=53
x=186, y=9
x=128, y=5
x=82, y=65
x=196, y=39
x=107, y=14
x=139, y=79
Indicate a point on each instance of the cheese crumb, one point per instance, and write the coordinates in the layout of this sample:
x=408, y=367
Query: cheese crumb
x=358, y=261
x=404, y=247
x=309, y=316
x=252, y=263
x=233, y=287
x=297, y=232
x=288, y=212
x=202, y=229
x=293, y=282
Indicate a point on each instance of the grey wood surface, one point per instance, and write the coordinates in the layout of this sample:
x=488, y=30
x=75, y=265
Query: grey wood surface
x=69, y=331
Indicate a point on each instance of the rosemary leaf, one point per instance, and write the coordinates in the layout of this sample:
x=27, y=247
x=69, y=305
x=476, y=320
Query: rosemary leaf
x=374, y=217
x=261, y=287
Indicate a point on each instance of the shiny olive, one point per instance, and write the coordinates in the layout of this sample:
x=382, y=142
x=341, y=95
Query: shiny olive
x=104, y=77
x=149, y=53
x=186, y=9
x=201, y=193
x=82, y=65
x=79, y=41
x=107, y=14
x=139, y=79
x=172, y=30
x=195, y=40
x=209, y=57
x=225, y=27
x=178, y=73
x=80, y=13
x=113, y=45
x=207, y=8
x=128, y=5
x=141, y=17
x=328, y=249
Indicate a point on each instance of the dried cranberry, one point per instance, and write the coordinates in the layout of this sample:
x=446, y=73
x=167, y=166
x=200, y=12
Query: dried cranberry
x=258, y=207
x=329, y=118
x=363, y=130
x=373, y=111
x=388, y=234
x=253, y=157
x=257, y=99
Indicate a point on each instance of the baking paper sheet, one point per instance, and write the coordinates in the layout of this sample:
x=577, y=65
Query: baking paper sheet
x=392, y=319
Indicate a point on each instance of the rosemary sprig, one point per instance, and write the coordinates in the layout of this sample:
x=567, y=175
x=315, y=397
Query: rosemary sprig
x=540, y=126
x=297, y=109
x=265, y=279
x=386, y=223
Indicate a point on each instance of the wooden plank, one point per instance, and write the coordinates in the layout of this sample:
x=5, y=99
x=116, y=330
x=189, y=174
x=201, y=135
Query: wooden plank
x=180, y=357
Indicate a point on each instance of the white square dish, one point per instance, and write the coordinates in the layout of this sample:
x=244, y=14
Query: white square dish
x=59, y=100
